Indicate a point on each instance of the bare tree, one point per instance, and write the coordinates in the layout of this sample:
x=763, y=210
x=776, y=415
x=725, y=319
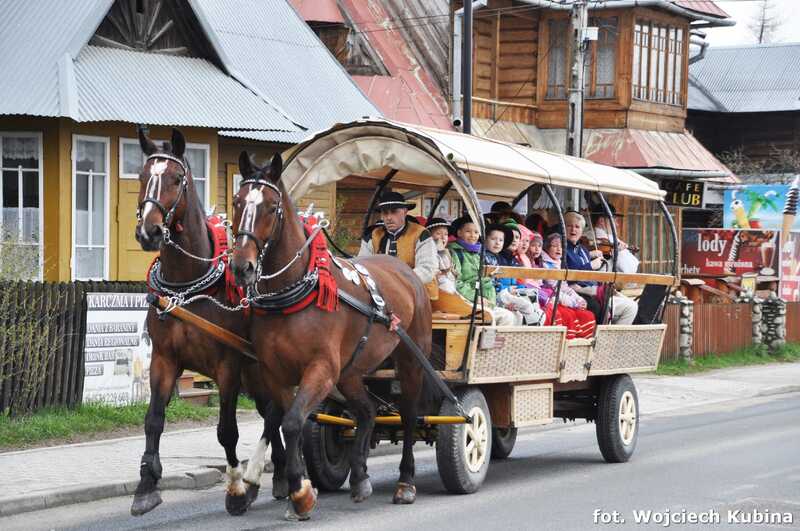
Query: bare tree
x=765, y=23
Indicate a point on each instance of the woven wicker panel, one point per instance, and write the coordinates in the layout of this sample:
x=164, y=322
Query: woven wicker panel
x=533, y=404
x=632, y=348
x=573, y=366
x=518, y=353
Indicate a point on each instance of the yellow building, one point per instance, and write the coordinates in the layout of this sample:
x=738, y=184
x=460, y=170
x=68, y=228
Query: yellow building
x=79, y=77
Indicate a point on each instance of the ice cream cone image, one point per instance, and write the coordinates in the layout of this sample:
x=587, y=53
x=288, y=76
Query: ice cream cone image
x=737, y=206
x=790, y=210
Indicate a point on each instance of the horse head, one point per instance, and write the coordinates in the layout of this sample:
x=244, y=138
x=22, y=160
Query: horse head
x=163, y=185
x=258, y=214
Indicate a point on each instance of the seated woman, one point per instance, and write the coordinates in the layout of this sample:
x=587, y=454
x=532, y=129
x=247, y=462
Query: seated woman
x=571, y=310
x=623, y=309
x=466, y=256
x=501, y=244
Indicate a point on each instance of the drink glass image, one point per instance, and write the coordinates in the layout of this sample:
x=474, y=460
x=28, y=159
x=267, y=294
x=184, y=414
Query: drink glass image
x=767, y=255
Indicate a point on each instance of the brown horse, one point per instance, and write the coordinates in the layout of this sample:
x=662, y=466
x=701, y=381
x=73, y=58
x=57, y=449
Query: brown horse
x=170, y=211
x=315, y=349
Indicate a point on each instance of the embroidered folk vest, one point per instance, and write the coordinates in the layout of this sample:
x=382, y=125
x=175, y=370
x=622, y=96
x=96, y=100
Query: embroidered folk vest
x=406, y=249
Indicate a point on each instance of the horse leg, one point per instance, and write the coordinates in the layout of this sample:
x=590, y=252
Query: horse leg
x=272, y=415
x=163, y=374
x=359, y=403
x=229, y=383
x=410, y=375
x=316, y=383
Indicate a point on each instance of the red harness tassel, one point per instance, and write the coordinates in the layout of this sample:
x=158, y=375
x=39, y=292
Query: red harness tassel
x=327, y=294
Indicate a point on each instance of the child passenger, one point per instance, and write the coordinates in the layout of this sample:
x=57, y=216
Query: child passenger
x=466, y=255
x=580, y=322
x=501, y=244
x=439, y=229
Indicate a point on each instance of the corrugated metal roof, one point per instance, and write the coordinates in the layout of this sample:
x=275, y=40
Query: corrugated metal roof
x=318, y=10
x=756, y=78
x=288, y=137
x=273, y=49
x=34, y=36
x=636, y=148
x=410, y=93
x=118, y=85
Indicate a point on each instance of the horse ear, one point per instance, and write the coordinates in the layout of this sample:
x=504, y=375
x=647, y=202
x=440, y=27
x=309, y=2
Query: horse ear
x=245, y=164
x=178, y=143
x=276, y=167
x=147, y=145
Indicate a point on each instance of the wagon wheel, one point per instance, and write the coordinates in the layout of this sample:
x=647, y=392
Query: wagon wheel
x=463, y=450
x=503, y=440
x=325, y=451
x=618, y=419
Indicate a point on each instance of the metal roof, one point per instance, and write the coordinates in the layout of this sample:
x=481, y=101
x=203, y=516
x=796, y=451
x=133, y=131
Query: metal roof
x=267, y=46
x=270, y=59
x=119, y=85
x=755, y=78
x=318, y=10
x=34, y=38
x=702, y=6
x=641, y=149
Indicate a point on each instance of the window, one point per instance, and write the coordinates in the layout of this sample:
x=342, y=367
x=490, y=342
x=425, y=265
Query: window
x=599, y=63
x=658, y=54
x=20, y=195
x=557, y=59
x=646, y=228
x=90, y=207
x=197, y=155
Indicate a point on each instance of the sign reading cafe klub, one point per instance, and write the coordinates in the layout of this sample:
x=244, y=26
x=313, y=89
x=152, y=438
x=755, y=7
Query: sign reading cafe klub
x=683, y=193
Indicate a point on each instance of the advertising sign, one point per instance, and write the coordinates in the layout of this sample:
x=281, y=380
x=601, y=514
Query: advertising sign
x=790, y=268
x=117, y=350
x=683, y=193
x=725, y=252
x=757, y=206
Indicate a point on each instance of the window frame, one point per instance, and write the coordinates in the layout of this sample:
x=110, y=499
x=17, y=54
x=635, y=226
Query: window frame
x=40, y=169
x=591, y=60
x=189, y=145
x=661, y=82
x=107, y=207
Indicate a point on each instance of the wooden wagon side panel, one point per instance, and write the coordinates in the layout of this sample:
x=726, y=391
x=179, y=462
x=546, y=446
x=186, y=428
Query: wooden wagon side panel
x=632, y=348
x=516, y=354
x=532, y=404
x=575, y=361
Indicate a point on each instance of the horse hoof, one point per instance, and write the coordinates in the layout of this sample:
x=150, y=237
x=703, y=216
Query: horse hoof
x=302, y=502
x=280, y=487
x=361, y=491
x=144, y=503
x=405, y=494
x=252, y=493
x=236, y=505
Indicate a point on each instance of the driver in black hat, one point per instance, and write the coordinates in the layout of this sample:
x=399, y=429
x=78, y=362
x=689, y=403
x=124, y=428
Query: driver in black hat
x=400, y=235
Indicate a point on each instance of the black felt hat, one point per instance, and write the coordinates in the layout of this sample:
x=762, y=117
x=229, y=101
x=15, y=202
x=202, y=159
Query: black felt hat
x=391, y=200
x=437, y=222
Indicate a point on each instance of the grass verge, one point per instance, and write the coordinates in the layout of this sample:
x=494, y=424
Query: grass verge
x=62, y=423
x=748, y=356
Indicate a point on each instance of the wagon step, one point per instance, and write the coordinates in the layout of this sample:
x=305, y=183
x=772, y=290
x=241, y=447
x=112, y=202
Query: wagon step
x=388, y=420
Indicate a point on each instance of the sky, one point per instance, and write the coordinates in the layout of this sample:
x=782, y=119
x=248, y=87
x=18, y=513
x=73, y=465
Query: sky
x=743, y=11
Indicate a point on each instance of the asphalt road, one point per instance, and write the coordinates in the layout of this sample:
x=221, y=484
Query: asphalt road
x=738, y=455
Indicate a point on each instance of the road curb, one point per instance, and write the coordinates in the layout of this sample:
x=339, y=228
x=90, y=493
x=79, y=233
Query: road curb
x=779, y=390
x=199, y=478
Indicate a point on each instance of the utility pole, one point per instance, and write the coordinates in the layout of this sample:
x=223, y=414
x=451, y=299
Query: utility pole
x=466, y=70
x=578, y=22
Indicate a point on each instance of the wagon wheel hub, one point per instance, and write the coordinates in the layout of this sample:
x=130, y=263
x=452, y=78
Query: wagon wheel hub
x=627, y=417
x=476, y=439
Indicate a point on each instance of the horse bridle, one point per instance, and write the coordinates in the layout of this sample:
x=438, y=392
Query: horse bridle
x=165, y=213
x=262, y=246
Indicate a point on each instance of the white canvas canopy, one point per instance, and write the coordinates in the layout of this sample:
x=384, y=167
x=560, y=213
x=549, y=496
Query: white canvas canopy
x=431, y=157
